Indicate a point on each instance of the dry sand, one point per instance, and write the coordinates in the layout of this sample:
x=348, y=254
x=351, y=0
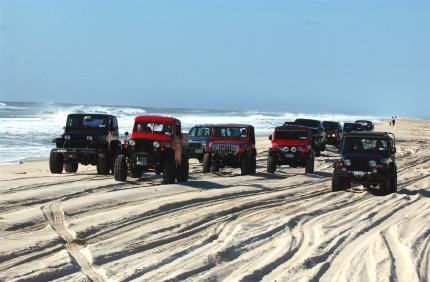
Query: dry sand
x=226, y=227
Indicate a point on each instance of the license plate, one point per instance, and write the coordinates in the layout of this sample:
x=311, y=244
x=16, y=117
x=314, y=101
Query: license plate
x=289, y=156
x=358, y=173
x=61, y=150
x=199, y=151
x=142, y=162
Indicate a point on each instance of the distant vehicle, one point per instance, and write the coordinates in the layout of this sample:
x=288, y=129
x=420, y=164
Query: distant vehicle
x=231, y=145
x=291, y=145
x=334, y=133
x=158, y=144
x=367, y=158
x=366, y=124
x=88, y=139
x=319, y=133
x=198, y=141
x=349, y=127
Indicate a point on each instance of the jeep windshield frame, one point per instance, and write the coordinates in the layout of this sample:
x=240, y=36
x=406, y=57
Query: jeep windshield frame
x=230, y=132
x=87, y=123
x=291, y=135
x=150, y=127
x=366, y=145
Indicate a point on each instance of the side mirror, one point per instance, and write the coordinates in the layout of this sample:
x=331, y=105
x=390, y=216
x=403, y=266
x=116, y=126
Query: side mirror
x=270, y=137
x=394, y=150
x=126, y=133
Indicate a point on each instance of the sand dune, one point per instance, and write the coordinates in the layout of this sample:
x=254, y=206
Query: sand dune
x=226, y=227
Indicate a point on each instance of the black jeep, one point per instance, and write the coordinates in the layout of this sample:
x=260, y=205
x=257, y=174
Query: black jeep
x=87, y=139
x=366, y=124
x=334, y=133
x=367, y=158
x=349, y=127
x=319, y=135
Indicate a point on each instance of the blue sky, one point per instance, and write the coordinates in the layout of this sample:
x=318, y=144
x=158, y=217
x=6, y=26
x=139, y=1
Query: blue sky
x=357, y=57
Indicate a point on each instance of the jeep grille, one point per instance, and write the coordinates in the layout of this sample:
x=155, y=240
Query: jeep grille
x=359, y=165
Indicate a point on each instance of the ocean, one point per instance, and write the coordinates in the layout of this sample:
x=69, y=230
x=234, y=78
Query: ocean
x=27, y=129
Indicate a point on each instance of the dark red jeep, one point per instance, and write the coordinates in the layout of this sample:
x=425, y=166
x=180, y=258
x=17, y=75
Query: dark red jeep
x=158, y=144
x=291, y=145
x=231, y=145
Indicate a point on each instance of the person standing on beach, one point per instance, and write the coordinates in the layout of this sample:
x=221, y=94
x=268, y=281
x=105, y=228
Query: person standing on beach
x=393, y=121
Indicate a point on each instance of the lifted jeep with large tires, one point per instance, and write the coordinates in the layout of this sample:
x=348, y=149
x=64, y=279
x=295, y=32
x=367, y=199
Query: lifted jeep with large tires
x=232, y=145
x=291, y=145
x=157, y=144
x=367, y=158
x=88, y=139
x=318, y=133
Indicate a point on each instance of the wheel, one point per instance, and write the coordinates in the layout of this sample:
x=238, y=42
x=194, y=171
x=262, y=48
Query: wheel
x=120, y=168
x=271, y=164
x=393, y=182
x=56, y=162
x=71, y=167
x=136, y=172
x=310, y=164
x=215, y=165
x=169, y=170
x=253, y=165
x=206, y=163
x=103, y=167
x=385, y=185
x=182, y=170
x=338, y=184
x=244, y=165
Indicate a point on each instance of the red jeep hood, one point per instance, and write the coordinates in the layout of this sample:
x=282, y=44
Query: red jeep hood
x=152, y=136
x=291, y=142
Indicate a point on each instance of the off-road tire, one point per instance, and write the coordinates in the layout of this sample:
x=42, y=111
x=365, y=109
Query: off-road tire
x=253, y=165
x=71, y=167
x=182, y=170
x=206, y=163
x=244, y=165
x=385, y=185
x=338, y=183
x=271, y=164
x=310, y=165
x=215, y=165
x=393, y=182
x=169, y=170
x=120, y=168
x=103, y=164
x=136, y=172
x=56, y=161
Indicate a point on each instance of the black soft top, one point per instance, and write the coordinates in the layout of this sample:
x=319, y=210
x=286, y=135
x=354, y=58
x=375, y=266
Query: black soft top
x=232, y=125
x=92, y=115
x=293, y=127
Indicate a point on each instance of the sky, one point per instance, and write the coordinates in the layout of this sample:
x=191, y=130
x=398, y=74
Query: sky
x=351, y=57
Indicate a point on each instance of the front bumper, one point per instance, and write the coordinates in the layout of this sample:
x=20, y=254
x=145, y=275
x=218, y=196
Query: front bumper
x=86, y=151
x=363, y=177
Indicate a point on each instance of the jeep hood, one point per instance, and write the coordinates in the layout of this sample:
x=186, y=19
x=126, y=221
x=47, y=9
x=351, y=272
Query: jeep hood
x=151, y=136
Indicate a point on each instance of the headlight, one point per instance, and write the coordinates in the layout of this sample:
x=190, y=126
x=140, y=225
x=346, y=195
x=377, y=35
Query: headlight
x=285, y=149
x=156, y=144
x=131, y=142
x=293, y=149
x=372, y=163
x=347, y=162
x=333, y=135
x=67, y=137
x=89, y=138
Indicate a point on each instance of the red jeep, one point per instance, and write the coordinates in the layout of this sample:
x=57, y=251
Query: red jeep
x=231, y=145
x=158, y=144
x=291, y=145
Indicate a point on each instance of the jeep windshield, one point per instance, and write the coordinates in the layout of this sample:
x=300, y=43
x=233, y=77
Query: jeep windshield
x=291, y=134
x=364, y=145
x=230, y=132
x=308, y=122
x=351, y=127
x=86, y=122
x=152, y=128
x=200, y=132
x=330, y=125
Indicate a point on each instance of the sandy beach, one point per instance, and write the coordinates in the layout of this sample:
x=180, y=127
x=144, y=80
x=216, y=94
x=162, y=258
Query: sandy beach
x=283, y=227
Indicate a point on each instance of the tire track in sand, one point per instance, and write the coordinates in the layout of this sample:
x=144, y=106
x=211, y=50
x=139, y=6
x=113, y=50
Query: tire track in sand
x=78, y=251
